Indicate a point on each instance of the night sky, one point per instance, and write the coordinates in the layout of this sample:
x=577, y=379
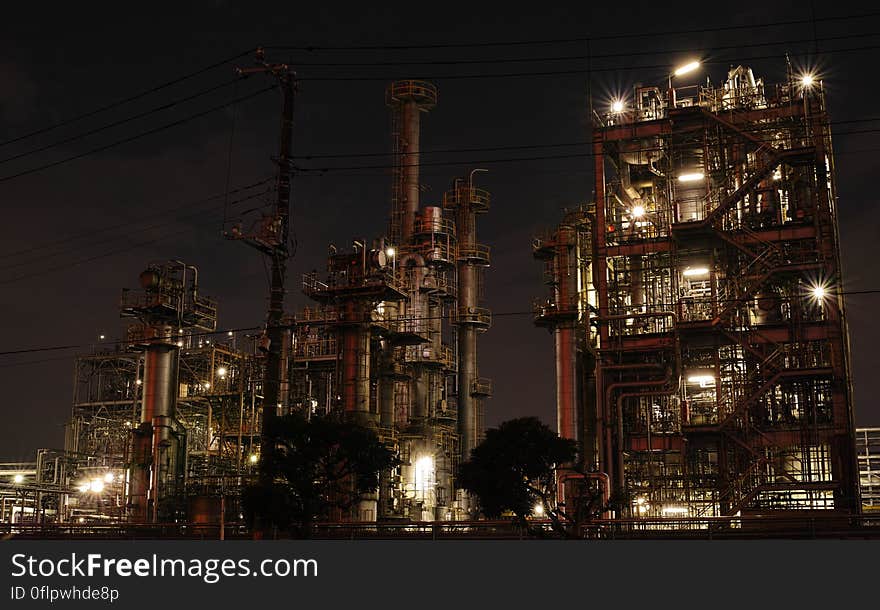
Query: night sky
x=61, y=270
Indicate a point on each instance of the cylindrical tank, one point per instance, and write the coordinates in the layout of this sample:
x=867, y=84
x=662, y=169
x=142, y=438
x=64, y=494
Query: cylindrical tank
x=158, y=404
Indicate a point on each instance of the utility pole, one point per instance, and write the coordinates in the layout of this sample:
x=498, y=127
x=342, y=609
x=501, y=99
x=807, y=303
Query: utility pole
x=272, y=240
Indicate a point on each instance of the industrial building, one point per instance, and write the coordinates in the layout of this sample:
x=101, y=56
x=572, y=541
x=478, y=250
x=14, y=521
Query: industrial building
x=166, y=427
x=392, y=339
x=702, y=356
x=695, y=303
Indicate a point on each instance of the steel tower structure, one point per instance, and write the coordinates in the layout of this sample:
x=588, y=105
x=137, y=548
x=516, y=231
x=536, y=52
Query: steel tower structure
x=722, y=359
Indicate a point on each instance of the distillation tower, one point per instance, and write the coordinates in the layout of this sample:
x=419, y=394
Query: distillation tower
x=392, y=340
x=716, y=371
x=165, y=424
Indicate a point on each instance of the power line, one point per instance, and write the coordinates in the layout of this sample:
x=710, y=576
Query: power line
x=580, y=57
x=135, y=117
x=310, y=156
x=320, y=323
x=125, y=100
x=665, y=68
x=128, y=223
x=580, y=39
x=110, y=253
x=137, y=136
x=128, y=234
x=586, y=154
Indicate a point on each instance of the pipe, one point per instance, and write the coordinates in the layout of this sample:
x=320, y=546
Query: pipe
x=567, y=413
x=604, y=486
x=159, y=395
x=410, y=164
x=355, y=365
x=619, y=406
x=467, y=334
x=612, y=461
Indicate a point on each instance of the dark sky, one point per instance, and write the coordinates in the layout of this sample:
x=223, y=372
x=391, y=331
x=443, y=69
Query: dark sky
x=56, y=64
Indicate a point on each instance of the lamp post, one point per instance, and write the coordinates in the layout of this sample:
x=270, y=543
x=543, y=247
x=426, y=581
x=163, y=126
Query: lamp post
x=680, y=71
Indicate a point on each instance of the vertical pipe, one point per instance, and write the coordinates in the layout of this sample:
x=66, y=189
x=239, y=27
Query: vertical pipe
x=566, y=382
x=158, y=397
x=467, y=337
x=410, y=165
x=284, y=380
x=600, y=281
x=565, y=335
x=356, y=365
x=349, y=360
x=386, y=388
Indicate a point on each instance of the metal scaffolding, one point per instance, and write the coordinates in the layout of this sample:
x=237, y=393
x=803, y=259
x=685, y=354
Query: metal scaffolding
x=721, y=383
x=868, y=451
x=392, y=343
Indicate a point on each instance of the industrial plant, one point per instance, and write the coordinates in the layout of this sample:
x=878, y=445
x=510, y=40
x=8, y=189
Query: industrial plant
x=694, y=300
x=702, y=356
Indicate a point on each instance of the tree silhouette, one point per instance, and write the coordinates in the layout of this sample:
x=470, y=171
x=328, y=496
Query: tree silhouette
x=324, y=468
x=514, y=469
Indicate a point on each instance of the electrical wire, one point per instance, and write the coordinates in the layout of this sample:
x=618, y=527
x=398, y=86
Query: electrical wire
x=334, y=323
x=580, y=39
x=481, y=161
x=429, y=151
x=130, y=232
x=140, y=115
x=582, y=57
x=128, y=223
x=112, y=252
x=143, y=134
x=661, y=68
x=125, y=100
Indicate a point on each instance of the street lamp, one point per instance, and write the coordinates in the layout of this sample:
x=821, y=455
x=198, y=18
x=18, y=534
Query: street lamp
x=680, y=71
x=686, y=68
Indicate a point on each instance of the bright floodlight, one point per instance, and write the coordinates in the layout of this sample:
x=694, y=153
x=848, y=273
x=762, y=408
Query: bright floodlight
x=695, y=271
x=702, y=379
x=96, y=486
x=638, y=211
x=819, y=292
x=538, y=509
x=207, y=385
x=253, y=458
x=617, y=106
x=807, y=80
x=691, y=177
x=18, y=479
x=229, y=334
x=689, y=67
x=221, y=371
x=390, y=252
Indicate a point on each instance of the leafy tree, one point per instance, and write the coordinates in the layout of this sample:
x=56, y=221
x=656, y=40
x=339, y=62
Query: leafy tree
x=514, y=469
x=323, y=468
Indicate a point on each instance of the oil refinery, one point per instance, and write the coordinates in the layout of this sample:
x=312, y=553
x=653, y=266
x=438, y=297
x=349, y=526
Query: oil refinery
x=694, y=298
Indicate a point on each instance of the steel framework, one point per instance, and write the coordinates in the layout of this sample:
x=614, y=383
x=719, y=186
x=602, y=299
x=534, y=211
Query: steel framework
x=721, y=383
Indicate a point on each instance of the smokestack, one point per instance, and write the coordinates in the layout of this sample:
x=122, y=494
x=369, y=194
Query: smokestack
x=407, y=100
